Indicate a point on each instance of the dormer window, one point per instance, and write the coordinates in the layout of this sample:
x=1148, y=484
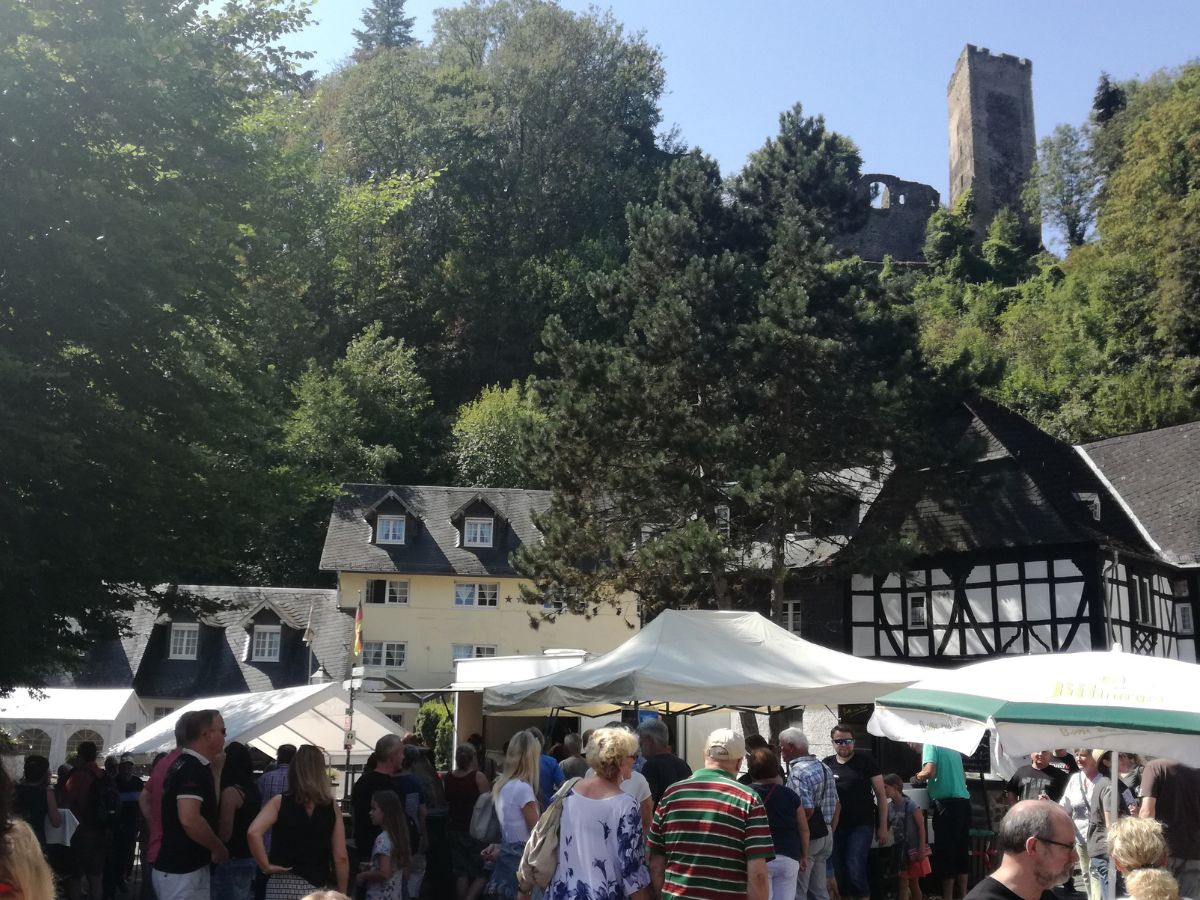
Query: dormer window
x=185, y=640
x=266, y=643
x=477, y=532
x=389, y=530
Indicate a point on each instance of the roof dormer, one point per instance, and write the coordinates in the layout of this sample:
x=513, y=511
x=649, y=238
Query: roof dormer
x=392, y=521
x=478, y=524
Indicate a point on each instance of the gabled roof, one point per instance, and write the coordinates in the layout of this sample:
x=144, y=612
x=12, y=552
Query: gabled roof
x=139, y=658
x=1157, y=476
x=461, y=513
x=433, y=548
x=1016, y=487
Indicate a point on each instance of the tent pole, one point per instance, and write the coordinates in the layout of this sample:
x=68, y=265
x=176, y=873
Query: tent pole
x=1113, y=799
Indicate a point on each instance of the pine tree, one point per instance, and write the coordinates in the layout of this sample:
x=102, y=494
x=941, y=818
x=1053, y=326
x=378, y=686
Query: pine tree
x=384, y=27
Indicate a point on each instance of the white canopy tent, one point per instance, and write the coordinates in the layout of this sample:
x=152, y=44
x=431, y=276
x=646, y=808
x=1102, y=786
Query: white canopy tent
x=52, y=721
x=688, y=661
x=310, y=714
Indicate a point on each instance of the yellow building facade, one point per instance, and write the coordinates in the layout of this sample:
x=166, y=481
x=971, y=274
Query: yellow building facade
x=432, y=568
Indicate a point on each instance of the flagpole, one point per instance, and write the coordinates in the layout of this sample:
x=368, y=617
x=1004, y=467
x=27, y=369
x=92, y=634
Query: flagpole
x=358, y=649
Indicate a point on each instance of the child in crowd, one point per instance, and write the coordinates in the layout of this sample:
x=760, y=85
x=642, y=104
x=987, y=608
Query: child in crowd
x=907, y=823
x=387, y=873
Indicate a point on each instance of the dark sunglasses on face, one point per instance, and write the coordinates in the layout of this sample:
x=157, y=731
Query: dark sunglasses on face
x=843, y=741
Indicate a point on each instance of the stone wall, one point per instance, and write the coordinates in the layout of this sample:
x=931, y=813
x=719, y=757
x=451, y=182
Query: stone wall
x=895, y=226
x=992, y=142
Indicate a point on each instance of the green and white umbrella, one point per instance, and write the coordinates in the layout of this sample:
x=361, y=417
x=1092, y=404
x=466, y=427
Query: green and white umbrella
x=1110, y=700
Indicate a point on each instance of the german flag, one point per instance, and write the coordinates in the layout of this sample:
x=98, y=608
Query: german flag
x=358, y=627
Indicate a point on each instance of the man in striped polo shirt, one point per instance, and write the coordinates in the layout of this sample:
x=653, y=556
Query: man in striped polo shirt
x=710, y=839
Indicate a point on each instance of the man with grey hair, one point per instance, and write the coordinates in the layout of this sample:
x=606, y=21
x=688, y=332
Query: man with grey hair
x=387, y=762
x=1037, y=838
x=574, y=766
x=663, y=768
x=813, y=783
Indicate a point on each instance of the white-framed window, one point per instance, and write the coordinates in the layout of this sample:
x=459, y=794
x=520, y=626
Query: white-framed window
x=472, y=651
x=384, y=654
x=266, y=643
x=398, y=718
x=917, y=612
x=392, y=591
x=161, y=712
x=185, y=640
x=477, y=532
x=1185, y=619
x=485, y=594
x=389, y=530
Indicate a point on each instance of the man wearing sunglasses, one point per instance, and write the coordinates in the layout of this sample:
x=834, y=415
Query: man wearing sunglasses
x=1037, y=838
x=189, y=812
x=857, y=776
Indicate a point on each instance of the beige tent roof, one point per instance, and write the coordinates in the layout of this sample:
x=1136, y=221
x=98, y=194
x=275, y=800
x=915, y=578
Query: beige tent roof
x=738, y=660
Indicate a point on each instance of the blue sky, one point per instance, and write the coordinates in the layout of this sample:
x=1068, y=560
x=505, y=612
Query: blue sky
x=877, y=71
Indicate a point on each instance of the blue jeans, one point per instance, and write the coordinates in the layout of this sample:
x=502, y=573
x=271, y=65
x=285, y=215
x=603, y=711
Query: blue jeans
x=1099, y=868
x=232, y=880
x=850, y=847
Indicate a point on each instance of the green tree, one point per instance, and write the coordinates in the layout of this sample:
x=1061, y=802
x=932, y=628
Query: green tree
x=384, y=27
x=133, y=437
x=689, y=448
x=1064, y=183
x=491, y=434
x=365, y=418
x=549, y=119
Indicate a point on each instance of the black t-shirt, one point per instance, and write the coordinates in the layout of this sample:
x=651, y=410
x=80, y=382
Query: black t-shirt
x=360, y=804
x=662, y=770
x=1029, y=783
x=781, y=804
x=187, y=777
x=853, y=780
x=991, y=889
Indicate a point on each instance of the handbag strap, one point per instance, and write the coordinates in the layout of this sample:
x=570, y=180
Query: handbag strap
x=562, y=792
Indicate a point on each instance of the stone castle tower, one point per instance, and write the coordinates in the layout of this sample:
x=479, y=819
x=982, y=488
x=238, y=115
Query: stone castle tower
x=992, y=142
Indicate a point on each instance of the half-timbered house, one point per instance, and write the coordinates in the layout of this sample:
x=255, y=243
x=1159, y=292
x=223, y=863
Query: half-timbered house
x=1025, y=544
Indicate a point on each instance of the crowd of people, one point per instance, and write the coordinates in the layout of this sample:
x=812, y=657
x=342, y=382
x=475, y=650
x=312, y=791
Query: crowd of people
x=632, y=821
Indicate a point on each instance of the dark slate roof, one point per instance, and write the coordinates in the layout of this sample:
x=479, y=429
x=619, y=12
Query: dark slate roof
x=139, y=659
x=1014, y=486
x=1157, y=474
x=431, y=547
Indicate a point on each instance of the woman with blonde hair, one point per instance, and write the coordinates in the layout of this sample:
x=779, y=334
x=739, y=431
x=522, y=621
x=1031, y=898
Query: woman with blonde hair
x=24, y=871
x=601, y=849
x=308, y=841
x=515, y=798
x=1139, y=852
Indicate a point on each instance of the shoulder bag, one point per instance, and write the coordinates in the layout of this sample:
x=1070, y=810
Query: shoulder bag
x=485, y=824
x=539, y=859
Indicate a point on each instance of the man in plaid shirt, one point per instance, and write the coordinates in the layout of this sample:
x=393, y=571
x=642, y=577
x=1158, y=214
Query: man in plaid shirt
x=813, y=782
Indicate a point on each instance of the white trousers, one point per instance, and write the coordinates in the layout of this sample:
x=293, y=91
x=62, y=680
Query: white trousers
x=782, y=871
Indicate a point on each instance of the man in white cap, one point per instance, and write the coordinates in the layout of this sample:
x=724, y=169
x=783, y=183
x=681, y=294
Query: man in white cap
x=710, y=839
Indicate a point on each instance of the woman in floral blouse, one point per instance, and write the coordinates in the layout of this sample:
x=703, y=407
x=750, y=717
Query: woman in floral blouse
x=601, y=849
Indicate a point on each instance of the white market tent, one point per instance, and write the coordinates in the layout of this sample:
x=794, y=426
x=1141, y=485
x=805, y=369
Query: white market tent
x=700, y=660
x=53, y=721
x=310, y=714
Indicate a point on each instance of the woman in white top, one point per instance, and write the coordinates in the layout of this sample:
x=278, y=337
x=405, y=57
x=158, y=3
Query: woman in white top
x=515, y=798
x=601, y=849
x=1075, y=799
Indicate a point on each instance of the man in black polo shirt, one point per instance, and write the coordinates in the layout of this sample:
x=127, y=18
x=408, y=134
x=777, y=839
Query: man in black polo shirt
x=662, y=768
x=388, y=750
x=857, y=776
x=189, y=812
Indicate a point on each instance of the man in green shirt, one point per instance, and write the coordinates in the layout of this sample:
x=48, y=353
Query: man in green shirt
x=942, y=772
x=710, y=838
